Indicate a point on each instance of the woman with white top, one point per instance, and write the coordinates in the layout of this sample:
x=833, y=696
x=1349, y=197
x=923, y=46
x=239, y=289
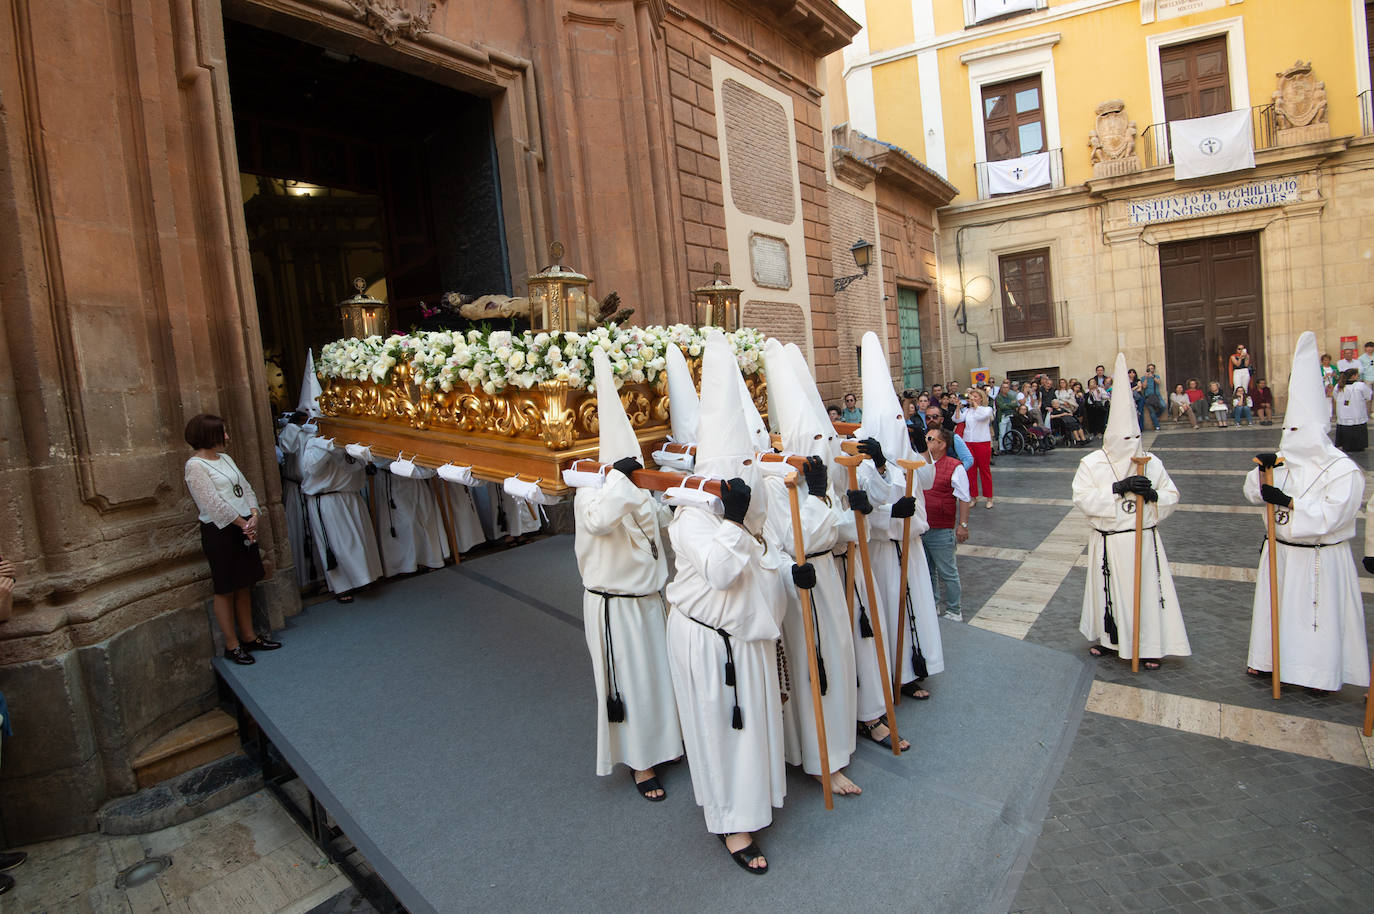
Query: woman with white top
x=977, y=419
x=1180, y=405
x=228, y=534
x=1352, y=398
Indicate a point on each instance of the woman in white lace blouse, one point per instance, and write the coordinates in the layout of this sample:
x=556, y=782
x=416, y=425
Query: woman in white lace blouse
x=228, y=534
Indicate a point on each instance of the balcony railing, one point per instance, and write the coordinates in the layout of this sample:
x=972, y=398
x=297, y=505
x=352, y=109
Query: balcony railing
x=1056, y=177
x=1025, y=327
x=1157, y=140
x=1365, y=101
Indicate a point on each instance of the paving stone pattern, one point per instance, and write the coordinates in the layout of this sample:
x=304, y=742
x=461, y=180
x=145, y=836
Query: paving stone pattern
x=1149, y=819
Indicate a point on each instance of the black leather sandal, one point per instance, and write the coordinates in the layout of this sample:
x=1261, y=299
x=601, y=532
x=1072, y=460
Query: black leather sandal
x=648, y=786
x=238, y=655
x=914, y=690
x=745, y=856
x=866, y=731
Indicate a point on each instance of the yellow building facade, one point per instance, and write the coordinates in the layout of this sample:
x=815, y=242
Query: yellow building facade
x=1092, y=216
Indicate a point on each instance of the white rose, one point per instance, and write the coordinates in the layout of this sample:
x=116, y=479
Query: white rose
x=516, y=360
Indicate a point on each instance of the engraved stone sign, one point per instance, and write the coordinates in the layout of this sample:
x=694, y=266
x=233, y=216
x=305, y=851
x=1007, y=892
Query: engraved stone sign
x=1215, y=202
x=768, y=260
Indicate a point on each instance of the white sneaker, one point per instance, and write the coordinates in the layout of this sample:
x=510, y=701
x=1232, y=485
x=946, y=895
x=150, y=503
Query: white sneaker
x=954, y=617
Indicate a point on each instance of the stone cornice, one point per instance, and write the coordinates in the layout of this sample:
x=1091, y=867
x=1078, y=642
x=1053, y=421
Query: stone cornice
x=1160, y=179
x=819, y=26
x=897, y=168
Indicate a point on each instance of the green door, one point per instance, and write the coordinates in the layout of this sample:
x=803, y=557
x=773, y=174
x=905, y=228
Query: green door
x=909, y=325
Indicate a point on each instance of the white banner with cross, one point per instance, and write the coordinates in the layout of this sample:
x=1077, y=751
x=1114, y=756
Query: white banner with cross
x=1212, y=145
x=1009, y=176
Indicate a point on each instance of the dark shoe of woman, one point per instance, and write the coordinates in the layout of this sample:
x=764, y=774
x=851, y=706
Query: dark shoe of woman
x=238, y=655
x=261, y=644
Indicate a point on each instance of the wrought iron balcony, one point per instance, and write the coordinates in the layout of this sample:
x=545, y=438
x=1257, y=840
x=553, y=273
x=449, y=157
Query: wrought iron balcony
x=1365, y=101
x=1026, y=324
x=1157, y=142
x=1056, y=177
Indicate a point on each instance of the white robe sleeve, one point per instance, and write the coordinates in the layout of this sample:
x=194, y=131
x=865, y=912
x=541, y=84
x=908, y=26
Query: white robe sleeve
x=1252, y=487
x=718, y=556
x=1164, y=485
x=602, y=510
x=1328, y=508
x=1090, y=496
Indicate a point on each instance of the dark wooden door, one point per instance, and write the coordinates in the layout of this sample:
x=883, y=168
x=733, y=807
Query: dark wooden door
x=1195, y=78
x=1027, y=297
x=1212, y=303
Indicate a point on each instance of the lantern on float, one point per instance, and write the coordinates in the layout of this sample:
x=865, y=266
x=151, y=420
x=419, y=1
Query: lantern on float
x=558, y=297
x=363, y=315
x=716, y=304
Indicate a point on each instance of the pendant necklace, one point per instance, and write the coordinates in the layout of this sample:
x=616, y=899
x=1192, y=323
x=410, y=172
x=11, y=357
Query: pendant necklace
x=237, y=489
x=653, y=546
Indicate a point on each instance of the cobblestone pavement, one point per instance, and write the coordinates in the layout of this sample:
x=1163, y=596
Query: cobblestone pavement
x=1153, y=817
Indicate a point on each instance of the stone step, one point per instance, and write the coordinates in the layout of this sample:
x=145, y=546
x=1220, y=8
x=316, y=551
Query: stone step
x=208, y=737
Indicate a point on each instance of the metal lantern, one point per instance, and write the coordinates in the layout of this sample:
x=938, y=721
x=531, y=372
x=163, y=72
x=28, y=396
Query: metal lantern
x=558, y=297
x=716, y=304
x=363, y=315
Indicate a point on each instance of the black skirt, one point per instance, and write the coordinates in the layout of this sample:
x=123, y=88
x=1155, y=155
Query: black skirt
x=232, y=564
x=1352, y=437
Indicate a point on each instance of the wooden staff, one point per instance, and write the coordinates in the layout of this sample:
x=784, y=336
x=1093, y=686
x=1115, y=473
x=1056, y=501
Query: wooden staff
x=799, y=551
x=1369, y=699
x=653, y=480
x=851, y=463
x=436, y=485
x=1138, y=465
x=910, y=466
x=1268, y=476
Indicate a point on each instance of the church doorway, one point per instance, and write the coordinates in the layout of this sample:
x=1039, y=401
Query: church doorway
x=1212, y=304
x=353, y=169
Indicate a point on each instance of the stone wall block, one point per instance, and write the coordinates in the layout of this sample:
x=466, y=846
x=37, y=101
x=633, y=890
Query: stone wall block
x=51, y=717
x=53, y=804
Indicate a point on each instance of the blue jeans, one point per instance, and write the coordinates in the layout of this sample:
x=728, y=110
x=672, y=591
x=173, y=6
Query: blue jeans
x=1241, y=412
x=939, y=547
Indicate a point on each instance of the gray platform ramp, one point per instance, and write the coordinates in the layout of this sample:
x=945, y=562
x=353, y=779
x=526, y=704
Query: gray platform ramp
x=446, y=721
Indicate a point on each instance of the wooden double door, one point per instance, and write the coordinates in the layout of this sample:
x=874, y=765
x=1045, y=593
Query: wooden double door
x=1212, y=303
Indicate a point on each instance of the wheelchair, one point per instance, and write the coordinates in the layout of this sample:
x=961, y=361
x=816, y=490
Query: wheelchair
x=1018, y=442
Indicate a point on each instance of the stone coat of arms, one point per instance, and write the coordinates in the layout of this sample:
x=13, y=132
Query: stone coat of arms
x=1115, y=135
x=1300, y=100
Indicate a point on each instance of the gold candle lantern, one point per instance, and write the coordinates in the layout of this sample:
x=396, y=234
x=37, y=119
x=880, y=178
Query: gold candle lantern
x=558, y=297
x=363, y=315
x=716, y=304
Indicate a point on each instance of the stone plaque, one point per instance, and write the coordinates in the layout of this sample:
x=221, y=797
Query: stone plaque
x=1215, y=202
x=769, y=262
x=1157, y=10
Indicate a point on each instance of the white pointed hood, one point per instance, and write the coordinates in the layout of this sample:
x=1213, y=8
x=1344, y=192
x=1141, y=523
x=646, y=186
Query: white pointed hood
x=683, y=405
x=758, y=429
x=723, y=440
x=801, y=373
x=617, y=435
x=1308, y=418
x=797, y=424
x=882, y=411
x=1121, y=440
x=310, y=388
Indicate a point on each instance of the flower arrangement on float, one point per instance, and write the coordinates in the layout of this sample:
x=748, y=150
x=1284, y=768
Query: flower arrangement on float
x=489, y=361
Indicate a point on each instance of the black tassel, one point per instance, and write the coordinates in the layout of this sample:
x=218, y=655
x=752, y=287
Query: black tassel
x=865, y=629
x=391, y=503
x=330, y=563
x=918, y=664
x=820, y=673
x=1109, y=624
x=393, y=531
x=729, y=674
x=615, y=708
x=737, y=719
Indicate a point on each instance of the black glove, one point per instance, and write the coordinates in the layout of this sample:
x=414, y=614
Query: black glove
x=871, y=448
x=903, y=507
x=1276, y=496
x=371, y=467
x=858, y=501
x=816, y=476
x=918, y=441
x=1369, y=563
x=1139, y=485
x=804, y=575
x=1267, y=461
x=734, y=494
x=1122, y=486
x=627, y=465
x=1148, y=493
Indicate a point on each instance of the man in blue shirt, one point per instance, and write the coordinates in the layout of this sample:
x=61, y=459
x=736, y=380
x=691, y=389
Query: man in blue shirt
x=851, y=411
x=934, y=419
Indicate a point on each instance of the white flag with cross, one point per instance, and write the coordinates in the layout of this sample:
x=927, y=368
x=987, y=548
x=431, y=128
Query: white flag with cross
x=1009, y=176
x=1212, y=145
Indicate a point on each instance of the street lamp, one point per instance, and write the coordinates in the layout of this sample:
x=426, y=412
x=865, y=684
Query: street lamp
x=863, y=256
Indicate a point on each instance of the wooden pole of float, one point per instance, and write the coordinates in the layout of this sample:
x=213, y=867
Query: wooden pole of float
x=808, y=617
x=910, y=467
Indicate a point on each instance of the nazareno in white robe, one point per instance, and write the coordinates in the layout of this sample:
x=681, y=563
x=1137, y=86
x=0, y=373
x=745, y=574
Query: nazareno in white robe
x=462, y=513
x=292, y=441
x=725, y=579
x=824, y=526
x=923, y=606
x=338, y=516
x=1162, y=632
x=882, y=489
x=620, y=550
x=1322, y=641
x=410, y=534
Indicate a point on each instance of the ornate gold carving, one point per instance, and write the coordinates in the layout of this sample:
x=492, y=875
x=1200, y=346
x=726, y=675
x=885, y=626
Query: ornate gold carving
x=394, y=19
x=559, y=421
x=1300, y=100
